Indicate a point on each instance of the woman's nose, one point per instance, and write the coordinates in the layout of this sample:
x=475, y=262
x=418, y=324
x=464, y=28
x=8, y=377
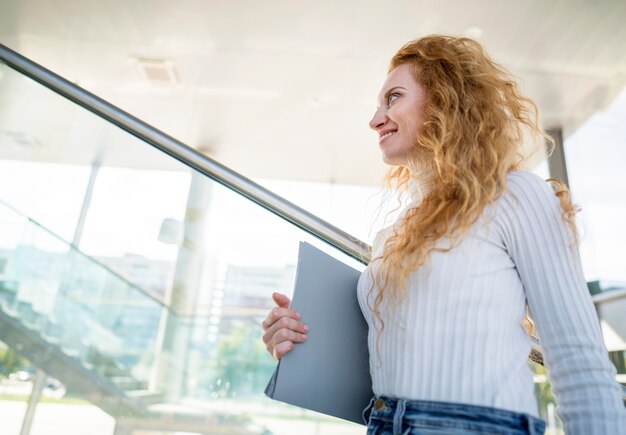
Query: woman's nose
x=378, y=120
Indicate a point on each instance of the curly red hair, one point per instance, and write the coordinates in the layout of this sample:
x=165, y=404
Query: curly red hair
x=476, y=121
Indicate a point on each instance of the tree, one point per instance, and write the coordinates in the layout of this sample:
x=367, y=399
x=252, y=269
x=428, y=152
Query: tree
x=10, y=362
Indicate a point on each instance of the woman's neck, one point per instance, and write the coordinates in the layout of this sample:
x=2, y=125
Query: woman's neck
x=419, y=186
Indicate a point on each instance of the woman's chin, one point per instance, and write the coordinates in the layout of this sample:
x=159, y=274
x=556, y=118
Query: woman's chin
x=393, y=160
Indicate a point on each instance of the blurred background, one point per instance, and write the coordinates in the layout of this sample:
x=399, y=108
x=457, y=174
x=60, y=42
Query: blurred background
x=132, y=287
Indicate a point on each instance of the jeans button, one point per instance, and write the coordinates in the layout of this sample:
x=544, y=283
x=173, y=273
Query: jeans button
x=379, y=404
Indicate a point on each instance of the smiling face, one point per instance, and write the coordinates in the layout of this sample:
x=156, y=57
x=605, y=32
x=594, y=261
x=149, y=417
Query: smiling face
x=399, y=116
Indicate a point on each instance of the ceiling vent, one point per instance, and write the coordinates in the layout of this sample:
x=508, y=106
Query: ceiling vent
x=158, y=72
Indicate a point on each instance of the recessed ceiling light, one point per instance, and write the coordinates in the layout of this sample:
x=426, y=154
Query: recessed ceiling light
x=159, y=72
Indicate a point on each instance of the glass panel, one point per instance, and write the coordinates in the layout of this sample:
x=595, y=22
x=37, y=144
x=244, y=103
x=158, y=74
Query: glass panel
x=596, y=158
x=14, y=384
x=56, y=407
x=56, y=297
x=153, y=314
x=545, y=399
x=142, y=282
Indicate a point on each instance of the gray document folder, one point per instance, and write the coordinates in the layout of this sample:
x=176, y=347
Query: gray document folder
x=329, y=373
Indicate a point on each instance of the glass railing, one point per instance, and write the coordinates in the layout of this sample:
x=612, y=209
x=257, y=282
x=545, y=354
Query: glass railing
x=96, y=321
x=157, y=284
x=162, y=293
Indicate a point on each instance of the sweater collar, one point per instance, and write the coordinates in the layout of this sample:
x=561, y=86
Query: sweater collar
x=419, y=186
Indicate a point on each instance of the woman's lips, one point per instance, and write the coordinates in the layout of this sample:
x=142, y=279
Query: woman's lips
x=386, y=136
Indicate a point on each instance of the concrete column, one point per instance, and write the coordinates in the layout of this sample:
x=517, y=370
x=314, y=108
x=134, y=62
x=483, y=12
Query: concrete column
x=171, y=376
x=556, y=161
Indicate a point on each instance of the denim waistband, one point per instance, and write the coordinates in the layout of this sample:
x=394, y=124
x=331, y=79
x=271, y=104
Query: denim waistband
x=399, y=412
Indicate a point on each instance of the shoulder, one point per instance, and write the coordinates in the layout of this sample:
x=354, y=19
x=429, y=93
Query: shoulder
x=527, y=190
x=527, y=213
x=523, y=181
x=527, y=200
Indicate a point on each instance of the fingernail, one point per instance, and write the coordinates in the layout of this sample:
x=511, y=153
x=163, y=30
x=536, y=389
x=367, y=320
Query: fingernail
x=306, y=328
x=304, y=336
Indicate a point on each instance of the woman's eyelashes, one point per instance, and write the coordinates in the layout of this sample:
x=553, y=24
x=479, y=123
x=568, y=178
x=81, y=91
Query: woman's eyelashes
x=392, y=97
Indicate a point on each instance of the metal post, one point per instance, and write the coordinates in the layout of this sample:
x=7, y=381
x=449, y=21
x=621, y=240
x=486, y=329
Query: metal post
x=78, y=232
x=190, y=157
x=172, y=359
x=121, y=428
x=39, y=383
x=556, y=160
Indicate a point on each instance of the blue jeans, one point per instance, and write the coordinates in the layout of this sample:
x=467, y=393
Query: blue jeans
x=385, y=416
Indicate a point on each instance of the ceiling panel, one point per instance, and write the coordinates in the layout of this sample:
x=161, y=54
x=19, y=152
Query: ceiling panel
x=285, y=89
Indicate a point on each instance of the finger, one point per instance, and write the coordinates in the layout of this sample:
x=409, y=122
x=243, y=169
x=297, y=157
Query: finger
x=286, y=345
x=283, y=341
x=284, y=323
x=283, y=335
x=277, y=313
x=281, y=300
x=281, y=349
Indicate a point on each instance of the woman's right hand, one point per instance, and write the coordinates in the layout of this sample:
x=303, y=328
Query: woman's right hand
x=282, y=328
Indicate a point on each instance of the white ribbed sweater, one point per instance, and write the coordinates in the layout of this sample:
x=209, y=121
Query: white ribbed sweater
x=457, y=337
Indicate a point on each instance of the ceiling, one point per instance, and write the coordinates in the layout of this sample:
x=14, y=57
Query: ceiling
x=284, y=89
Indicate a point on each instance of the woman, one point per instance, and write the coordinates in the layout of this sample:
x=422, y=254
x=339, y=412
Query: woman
x=449, y=283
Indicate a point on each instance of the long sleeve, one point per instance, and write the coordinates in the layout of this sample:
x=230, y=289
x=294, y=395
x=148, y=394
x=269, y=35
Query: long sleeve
x=540, y=245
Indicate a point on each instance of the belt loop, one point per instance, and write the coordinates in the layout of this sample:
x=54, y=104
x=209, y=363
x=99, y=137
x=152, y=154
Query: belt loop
x=529, y=425
x=368, y=411
x=398, y=416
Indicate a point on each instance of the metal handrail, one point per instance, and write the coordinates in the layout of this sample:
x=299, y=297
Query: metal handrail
x=609, y=296
x=190, y=157
x=200, y=162
x=92, y=260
